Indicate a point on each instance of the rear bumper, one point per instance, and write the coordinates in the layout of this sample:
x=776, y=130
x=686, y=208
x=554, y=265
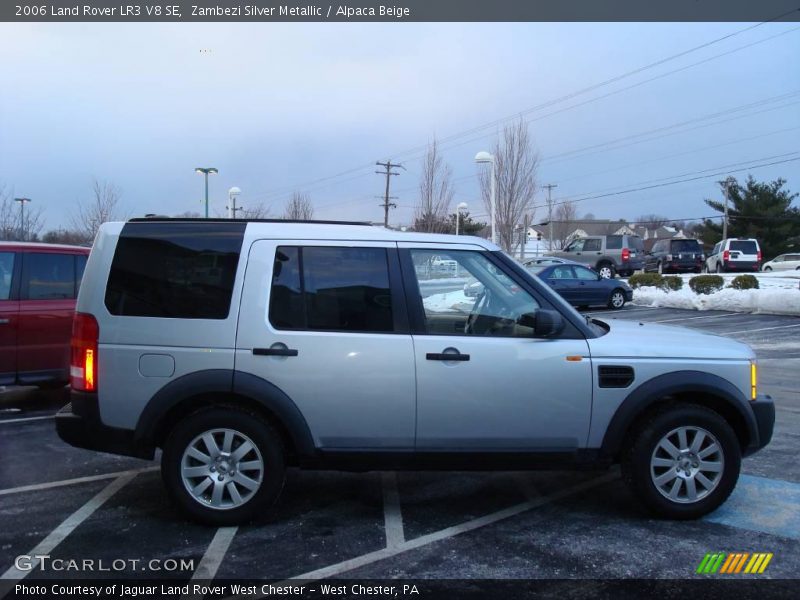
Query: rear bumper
x=79, y=424
x=764, y=414
x=741, y=265
x=683, y=266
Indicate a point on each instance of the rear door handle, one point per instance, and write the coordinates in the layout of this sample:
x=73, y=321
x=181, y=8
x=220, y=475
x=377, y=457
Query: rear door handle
x=274, y=351
x=447, y=356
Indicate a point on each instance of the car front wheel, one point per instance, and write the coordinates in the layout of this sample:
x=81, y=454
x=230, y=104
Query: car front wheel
x=767, y=269
x=617, y=300
x=223, y=466
x=683, y=462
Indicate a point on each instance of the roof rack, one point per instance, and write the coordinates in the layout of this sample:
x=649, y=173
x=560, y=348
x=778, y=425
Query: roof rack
x=151, y=218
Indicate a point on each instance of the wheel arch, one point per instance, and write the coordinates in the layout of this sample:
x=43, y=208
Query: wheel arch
x=221, y=387
x=696, y=387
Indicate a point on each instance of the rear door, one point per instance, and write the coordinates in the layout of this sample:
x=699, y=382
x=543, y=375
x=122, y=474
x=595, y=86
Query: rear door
x=326, y=323
x=9, y=316
x=792, y=261
x=743, y=253
x=47, y=302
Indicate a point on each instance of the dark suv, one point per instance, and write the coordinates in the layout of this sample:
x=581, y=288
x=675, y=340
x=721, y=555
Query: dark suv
x=675, y=256
x=38, y=287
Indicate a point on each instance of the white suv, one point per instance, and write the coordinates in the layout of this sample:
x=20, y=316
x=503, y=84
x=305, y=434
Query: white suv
x=243, y=348
x=734, y=254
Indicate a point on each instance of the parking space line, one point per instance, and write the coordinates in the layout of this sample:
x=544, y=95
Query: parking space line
x=60, y=533
x=622, y=312
x=52, y=484
x=443, y=534
x=25, y=419
x=701, y=317
x=392, y=513
x=212, y=559
x=762, y=329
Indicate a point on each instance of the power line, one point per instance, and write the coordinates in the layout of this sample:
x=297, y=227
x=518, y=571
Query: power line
x=566, y=97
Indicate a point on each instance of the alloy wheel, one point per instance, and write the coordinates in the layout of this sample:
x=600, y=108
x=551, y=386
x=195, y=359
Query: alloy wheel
x=687, y=464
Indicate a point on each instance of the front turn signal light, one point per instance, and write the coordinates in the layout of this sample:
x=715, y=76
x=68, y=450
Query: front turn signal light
x=753, y=380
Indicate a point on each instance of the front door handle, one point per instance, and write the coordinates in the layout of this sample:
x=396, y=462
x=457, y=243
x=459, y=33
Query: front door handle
x=447, y=356
x=274, y=351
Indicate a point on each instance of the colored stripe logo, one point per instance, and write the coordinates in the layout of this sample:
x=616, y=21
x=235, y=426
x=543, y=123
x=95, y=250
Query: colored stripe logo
x=732, y=563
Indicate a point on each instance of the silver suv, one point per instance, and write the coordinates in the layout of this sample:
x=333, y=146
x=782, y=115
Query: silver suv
x=242, y=348
x=607, y=254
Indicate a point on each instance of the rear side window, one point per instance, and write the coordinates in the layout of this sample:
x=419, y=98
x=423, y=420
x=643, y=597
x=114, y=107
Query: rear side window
x=614, y=242
x=635, y=242
x=331, y=289
x=744, y=246
x=6, y=271
x=49, y=276
x=177, y=270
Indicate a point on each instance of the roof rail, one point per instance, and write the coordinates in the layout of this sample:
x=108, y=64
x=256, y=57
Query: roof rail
x=151, y=218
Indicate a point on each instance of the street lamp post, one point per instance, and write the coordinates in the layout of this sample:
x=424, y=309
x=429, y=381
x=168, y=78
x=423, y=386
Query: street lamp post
x=206, y=171
x=462, y=206
x=233, y=193
x=482, y=158
x=22, y=202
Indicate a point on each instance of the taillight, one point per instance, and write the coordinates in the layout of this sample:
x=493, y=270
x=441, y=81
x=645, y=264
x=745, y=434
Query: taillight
x=726, y=256
x=83, y=366
x=759, y=256
x=626, y=254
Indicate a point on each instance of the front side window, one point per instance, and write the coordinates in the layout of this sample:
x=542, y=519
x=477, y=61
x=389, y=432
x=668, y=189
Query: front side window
x=490, y=304
x=593, y=245
x=585, y=274
x=50, y=276
x=562, y=272
x=6, y=272
x=576, y=246
x=178, y=270
x=331, y=289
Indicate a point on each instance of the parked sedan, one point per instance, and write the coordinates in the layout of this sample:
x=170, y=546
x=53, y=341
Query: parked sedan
x=581, y=286
x=784, y=262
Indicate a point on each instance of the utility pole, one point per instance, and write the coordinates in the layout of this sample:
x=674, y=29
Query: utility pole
x=725, y=186
x=22, y=202
x=549, y=187
x=388, y=166
x=525, y=226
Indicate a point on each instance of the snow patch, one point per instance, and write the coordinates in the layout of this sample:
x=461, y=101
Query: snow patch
x=772, y=300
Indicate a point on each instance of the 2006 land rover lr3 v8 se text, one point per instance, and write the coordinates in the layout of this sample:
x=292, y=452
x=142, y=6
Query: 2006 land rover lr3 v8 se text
x=242, y=348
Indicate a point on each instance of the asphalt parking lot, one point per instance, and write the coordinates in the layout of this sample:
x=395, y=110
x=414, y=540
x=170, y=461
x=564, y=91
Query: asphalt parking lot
x=75, y=504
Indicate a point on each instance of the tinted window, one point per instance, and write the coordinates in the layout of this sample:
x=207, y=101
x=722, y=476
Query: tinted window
x=594, y=245
x=614, y=242
x=80, y=267
x=6, y=271
x=331, y=289
x=181, y=270
x=793, y=257
x=50, y=276
x=744, y=246
x=679, y=246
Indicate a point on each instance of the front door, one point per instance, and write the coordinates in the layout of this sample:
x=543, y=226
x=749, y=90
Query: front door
x=484, y=382
x=322, y=322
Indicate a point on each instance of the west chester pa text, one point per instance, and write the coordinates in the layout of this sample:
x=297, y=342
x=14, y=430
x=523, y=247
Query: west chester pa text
x=196, y=589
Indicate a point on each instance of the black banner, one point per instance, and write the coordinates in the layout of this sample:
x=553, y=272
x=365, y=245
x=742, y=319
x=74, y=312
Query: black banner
x=401, y=10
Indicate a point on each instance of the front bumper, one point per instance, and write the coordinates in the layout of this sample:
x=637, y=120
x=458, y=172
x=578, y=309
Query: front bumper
x=79, y=424
x=764, y=414
x=628, y=295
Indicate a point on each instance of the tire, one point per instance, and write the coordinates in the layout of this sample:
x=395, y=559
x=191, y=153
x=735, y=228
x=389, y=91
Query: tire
x=616, y=300
x=606, y=270
x=660, y=268
x=263, y=465
x=719, y=268
x=645, y=460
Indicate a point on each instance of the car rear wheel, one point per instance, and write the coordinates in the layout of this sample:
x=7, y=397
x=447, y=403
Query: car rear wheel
x=683, y=462
x=223, y=466
x=616, y=300
x=606, y=270
x=719, y=268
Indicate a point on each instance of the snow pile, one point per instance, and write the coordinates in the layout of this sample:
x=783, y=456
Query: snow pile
x=773, y=300
x=448, y=302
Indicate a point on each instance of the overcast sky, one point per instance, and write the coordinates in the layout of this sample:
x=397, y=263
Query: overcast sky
x=276, y=107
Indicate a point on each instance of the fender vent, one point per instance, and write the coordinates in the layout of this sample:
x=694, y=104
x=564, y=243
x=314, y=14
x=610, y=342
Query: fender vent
x=614, y=377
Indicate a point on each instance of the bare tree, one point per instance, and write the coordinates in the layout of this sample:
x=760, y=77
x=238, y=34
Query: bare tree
x=299, y=208
x=100, y=209
x=8, y=220
x=652, y=221
x=564, y=217
x=259, y=211
x=516, y=164
x=189, y=214
x=435, y=193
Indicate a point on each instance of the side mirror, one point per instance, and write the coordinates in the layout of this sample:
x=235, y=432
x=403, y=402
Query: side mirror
x=545, y=323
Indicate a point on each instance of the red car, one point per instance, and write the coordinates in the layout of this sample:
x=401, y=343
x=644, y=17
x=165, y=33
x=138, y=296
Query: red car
x=38, y=287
